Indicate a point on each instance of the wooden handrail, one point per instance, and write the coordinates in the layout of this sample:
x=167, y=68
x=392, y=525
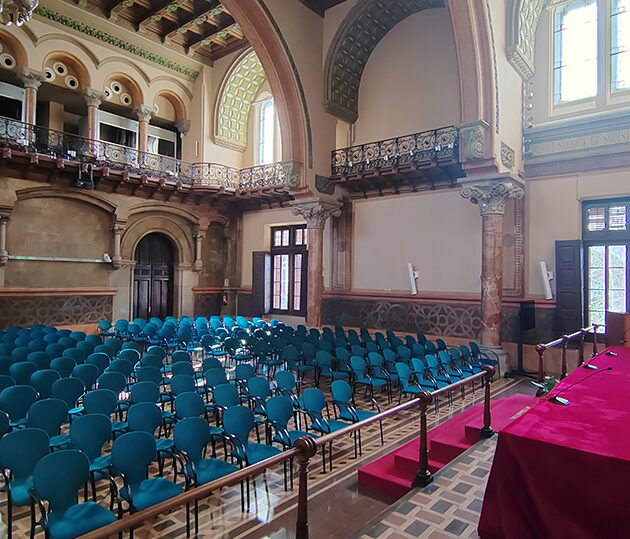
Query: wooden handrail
x=304, y=449
x=564, y=341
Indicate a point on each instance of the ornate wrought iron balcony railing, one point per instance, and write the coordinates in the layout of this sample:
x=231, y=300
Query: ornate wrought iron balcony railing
x=428, y=148
x=75, y=149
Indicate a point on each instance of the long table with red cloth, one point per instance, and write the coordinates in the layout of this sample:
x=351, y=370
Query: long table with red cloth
x=564, y=471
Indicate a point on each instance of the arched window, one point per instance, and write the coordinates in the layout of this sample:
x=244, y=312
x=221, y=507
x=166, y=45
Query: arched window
x=575, y=51
x=266, y=132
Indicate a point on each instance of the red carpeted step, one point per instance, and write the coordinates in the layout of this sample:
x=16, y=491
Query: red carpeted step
x=503, y=413
x=383, y=476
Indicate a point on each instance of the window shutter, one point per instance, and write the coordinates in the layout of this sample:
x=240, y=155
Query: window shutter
x=568, y=286
x=261, y=283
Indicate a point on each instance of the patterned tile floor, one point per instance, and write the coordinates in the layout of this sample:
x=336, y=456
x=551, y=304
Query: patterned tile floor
x=448, y=507
x=272, y=509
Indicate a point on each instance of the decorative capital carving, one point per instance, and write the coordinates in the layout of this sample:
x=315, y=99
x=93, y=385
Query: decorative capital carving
x=490, y=195
x=315, y=211
x=31, y=78
x=183, y=126
x=473, y=140
x=292, y=171
x=507, y=156
x=124, y=264
x=16, y=12
x=93, y=97
x=144, y=113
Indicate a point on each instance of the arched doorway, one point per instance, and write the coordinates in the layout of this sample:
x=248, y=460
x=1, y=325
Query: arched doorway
x=153, y=277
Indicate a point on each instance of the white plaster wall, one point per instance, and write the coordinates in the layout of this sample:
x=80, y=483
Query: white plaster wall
x=410, y=83
x=439, y=232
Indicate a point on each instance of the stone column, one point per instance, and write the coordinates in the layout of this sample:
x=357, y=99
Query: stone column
x=93, y=98
x=315, y=212
x=491, y=195
x=144, y=114
x=31, y=80
x=199, y=236
x=118, y=229
x=4, y=255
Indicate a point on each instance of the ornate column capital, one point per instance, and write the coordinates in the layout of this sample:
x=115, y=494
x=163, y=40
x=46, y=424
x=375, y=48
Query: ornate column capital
x=183, y=126
x=473, y=140
x=490, y=195
x=315, y=211
x=144, y=113
x=93, y=97
x=31, y=78
x=292, y=171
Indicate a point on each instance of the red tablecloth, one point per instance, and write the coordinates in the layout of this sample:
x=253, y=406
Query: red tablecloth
x=564, y=471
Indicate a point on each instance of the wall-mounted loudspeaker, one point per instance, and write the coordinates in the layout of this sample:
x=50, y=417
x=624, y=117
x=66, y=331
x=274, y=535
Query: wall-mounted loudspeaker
x=413, y=275
x=546, y=277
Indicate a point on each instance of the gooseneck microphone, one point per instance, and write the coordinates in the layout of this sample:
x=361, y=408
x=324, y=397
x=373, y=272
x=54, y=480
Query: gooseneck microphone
x=556, y=399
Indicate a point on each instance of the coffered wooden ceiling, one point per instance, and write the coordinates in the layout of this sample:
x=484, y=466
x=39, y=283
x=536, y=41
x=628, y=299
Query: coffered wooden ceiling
x=195, y=27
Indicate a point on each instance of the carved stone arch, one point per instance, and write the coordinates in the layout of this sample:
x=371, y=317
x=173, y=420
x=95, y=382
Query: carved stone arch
x=73, y=67
x=179, y=234
x=121, y=60
x=81, y=48
x=175, y=101
x=177, y=85
x=165, y=208
x=11, y=45
x=86, y=197
x=522, y=22
x=265, y=36
x=237, y=92
x=122, y=89
x=359, y=34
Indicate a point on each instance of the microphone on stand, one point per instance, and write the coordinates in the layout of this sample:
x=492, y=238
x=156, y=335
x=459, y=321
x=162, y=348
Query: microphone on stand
x=556, y=399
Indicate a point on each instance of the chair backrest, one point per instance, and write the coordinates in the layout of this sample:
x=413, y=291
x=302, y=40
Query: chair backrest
x=41, y=359
x=341, y=391
x=421, y=338
x=189, y=404
x=19, y=353
x=22, y=371
x=418, y=365
x=21, y=449
x=239, y=421
x=213, y=363
x=181, y=383
x=5, y=364
x=444, y=358
x=6, y=381
x=145, y=417
x=145, y=392
x=285, y=380
x=100, y=360
x=48, y=415
x=258, y=386
x=68, y=390
x=55, y=349
x=87, y=373
x=279, y=410
x=90, y=432
x=77, y=354
x=191, y=435
x=114, y=381
x=226, y=396
x=150, y=360
x=16, y=400
x=403, y=373
x=68, y=342
x=156, y=350
x=180, y=355
x=440, y=344
x=149, y=374
x=132, y=453
x=183, y=368
x=100, y=401
x=431, y=361
x=215, y=377
x=113, y=342
x=105, y=349
x=5, y=424
x=313, y=400
x=358, y=365
x=87, y=347
x=244, y=371
x=38, y=345
x=129, y=354
x=123, y=366
x=389, y=355
x=43, y=380
x=63, y=365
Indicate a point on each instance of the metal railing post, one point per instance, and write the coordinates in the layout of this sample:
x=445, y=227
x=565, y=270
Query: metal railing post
x=595, y=326
x=307, y=448
x=581, y=349
x=540, y=349
x=486, y=431
x=565, y=343
x=423, y=477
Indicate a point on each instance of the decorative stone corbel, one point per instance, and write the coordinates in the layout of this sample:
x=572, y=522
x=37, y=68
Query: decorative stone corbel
x=144, y=113
x=292, y=172
x=118, y=230
x=93, y=97
x=183, y=126
x=473, y=140
x=199, y=236
x=490, y=195
x=315, y=211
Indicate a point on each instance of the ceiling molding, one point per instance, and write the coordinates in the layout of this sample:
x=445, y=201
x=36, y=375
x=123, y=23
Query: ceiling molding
x=522, y=22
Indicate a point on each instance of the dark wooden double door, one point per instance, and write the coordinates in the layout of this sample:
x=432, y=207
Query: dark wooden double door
x=153, y=278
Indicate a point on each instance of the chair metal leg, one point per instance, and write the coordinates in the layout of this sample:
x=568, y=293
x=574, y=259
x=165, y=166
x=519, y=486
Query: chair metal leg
x=187, y=520
x=93, y=482
x=196, y=516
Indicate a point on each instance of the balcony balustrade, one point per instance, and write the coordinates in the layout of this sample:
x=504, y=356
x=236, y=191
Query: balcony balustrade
x=73, y=149
x=408, y=163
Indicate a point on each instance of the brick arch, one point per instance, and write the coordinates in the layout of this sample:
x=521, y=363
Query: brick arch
x=265, y=37
x=238, y=90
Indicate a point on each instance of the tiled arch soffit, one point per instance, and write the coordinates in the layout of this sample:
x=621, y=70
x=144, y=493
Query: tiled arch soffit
x=364, y=27
x=238, y=91
x=522, y=21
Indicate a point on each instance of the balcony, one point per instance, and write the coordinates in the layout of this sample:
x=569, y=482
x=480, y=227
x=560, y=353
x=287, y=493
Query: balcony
x=38, y=153
x=427, y=160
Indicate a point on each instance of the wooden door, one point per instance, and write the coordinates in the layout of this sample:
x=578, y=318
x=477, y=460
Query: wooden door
x=568, y=286
x=153, y=278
